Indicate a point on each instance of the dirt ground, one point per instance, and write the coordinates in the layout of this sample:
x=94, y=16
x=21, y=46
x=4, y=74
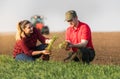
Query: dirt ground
x=106, y=44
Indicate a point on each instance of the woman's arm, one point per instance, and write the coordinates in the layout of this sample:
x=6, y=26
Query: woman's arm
x=30, y=52
x=40, y=37
x=40, y=52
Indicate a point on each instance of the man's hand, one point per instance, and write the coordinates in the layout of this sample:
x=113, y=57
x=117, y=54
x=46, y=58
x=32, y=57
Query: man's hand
x=68, y=46
x=64, y=45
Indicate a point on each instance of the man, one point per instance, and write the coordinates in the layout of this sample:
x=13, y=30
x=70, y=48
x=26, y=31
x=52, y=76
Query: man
x=78, y=35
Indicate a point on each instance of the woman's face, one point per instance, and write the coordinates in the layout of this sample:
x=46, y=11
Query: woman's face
x=28, y=29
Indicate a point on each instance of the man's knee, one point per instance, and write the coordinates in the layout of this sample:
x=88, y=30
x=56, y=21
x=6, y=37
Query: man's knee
x=87, y=54
x=92, y=55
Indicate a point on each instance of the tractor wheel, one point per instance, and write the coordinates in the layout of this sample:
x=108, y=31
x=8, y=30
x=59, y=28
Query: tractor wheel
x=45, y=30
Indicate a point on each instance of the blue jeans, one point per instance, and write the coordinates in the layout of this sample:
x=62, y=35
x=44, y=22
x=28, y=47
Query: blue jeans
x=24, y=57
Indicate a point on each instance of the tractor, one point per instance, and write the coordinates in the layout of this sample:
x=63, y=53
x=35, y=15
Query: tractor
x=38, y=22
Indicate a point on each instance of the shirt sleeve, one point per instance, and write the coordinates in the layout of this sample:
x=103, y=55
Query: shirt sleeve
x=85, y=32
x=41, y=38
x=25, y=49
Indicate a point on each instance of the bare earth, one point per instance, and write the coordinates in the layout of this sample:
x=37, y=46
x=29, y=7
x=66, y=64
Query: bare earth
x=106, y=44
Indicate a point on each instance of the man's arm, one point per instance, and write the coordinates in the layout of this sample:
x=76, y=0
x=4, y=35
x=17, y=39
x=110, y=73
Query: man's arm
x=82, y=44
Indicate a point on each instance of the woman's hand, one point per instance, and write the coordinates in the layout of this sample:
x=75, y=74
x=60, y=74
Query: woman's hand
x=48, y=41
x=45, y=52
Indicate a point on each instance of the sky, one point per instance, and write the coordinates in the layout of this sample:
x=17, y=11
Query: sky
x=100, y=15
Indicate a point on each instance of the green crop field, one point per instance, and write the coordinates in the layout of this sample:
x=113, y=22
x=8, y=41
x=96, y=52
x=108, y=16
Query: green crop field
x=11, y=69
x=106, y=64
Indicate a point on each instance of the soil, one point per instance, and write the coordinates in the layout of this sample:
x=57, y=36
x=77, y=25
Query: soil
x=107, y=48
x=106, y=44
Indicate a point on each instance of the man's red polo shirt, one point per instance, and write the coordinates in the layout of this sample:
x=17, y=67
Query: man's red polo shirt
x=74, y=36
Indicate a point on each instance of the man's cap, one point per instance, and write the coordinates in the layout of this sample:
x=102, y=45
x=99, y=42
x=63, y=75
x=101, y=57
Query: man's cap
x=69, y=15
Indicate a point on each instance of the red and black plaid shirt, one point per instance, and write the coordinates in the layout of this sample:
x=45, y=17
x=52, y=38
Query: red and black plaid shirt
x=26, y=45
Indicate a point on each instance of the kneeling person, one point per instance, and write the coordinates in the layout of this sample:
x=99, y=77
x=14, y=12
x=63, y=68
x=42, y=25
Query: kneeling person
x=25, y=48
x=78, y=34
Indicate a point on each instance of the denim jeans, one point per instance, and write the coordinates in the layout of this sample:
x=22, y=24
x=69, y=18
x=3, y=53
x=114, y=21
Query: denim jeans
x=24, y=57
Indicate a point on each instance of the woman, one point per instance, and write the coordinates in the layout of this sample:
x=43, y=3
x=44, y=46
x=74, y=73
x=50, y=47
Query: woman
x=26, y=39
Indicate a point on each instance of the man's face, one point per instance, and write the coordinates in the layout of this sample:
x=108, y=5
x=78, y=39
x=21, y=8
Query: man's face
x=73, y=22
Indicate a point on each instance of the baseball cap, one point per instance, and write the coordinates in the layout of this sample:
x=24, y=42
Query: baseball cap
x=69, y=15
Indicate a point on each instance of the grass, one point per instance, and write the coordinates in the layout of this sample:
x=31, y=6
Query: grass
x=11, y=69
